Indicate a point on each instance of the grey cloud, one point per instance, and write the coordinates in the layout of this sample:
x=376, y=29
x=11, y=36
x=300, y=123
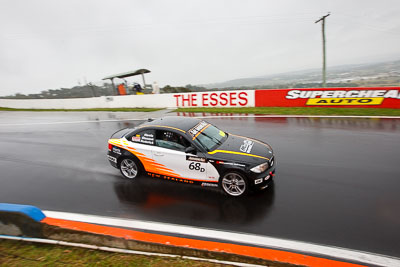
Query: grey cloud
x=51, y=44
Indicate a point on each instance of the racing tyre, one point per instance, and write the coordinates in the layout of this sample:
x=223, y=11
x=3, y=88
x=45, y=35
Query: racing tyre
x=234, y=184
x=129, y=167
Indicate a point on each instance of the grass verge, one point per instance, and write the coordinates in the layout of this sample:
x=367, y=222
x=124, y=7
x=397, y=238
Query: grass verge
x=299, y=111
x=88, y=109
x=250, y=110
x=19, y=253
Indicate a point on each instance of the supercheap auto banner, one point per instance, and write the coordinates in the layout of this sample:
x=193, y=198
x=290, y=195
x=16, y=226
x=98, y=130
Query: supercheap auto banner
x=357, y=97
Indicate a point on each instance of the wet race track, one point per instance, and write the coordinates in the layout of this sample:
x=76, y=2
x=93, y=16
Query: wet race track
x=337, y=180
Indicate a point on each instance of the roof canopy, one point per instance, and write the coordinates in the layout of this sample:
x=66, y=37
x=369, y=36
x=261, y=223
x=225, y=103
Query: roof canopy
x=127, y=74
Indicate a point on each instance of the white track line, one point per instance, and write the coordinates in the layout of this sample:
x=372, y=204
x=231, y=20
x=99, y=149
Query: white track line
x=68, y=122
x=125, y=251
x=210, y=117
x=250, y=239
x=297, y=116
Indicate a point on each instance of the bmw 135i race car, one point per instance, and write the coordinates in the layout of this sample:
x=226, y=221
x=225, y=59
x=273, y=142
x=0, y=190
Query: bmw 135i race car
x=192, y=151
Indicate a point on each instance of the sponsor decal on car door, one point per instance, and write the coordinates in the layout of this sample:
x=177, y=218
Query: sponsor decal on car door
x=187, y=166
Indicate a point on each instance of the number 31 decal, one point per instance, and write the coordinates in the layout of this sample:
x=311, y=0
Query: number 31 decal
x=196, y=166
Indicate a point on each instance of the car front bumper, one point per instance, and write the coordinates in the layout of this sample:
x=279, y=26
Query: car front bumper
x=262, y=180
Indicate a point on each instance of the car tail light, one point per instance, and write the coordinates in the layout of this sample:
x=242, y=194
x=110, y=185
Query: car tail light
x=109, y=147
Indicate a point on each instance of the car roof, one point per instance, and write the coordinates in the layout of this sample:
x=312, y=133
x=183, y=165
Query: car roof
x=181, y=123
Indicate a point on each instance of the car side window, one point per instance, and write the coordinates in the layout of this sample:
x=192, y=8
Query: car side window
x=171, y=140
x=144, y=137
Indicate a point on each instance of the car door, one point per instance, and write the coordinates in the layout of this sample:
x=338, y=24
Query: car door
x=169, y=152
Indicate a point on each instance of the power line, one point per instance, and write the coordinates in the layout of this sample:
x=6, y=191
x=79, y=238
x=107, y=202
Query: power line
x=370, y=26
x=241, y=20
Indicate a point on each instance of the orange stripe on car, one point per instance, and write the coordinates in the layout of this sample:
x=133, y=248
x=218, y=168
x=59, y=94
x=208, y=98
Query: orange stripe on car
x=162, y=126
x=194, y=137
x=238, y=153
x=149, y=164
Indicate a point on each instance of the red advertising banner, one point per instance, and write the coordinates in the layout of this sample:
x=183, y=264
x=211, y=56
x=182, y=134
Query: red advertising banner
x=357, y=97
x=216, y=99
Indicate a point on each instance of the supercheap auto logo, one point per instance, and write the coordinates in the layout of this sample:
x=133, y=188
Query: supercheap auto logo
x=339, y=97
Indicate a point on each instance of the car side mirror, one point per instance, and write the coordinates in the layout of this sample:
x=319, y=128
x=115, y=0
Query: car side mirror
x=190, y=149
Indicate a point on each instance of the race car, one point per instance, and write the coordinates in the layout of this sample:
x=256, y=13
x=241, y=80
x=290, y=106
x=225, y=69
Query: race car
x=192, y=151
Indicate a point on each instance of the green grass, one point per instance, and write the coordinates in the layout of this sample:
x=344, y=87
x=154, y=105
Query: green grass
x=88, y=109
x=259, y=110
x=300, y=111
x=19, y=253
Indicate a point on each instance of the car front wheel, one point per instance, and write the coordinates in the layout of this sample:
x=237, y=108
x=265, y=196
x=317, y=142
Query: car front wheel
x=234, y=184
x=129, y=168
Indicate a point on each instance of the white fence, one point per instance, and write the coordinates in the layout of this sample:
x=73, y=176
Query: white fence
x=237, y=98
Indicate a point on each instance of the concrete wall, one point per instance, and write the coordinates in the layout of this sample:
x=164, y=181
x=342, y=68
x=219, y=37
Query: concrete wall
x=372, y=97
x=235, y=98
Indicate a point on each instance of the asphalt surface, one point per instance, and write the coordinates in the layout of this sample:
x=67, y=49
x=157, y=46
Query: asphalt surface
x=337, y=180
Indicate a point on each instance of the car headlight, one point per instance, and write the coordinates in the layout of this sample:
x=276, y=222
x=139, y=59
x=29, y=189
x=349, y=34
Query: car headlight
x=260, y=168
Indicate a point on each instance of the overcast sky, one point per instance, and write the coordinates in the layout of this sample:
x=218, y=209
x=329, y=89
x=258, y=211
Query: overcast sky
x=48, y=44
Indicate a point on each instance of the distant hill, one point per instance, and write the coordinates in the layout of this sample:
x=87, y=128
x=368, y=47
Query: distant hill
x=376, y=74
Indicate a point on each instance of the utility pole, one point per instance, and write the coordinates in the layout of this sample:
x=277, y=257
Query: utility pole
x=323, y=49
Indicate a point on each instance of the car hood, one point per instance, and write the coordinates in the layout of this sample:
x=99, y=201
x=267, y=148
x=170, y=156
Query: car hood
x=243, y=149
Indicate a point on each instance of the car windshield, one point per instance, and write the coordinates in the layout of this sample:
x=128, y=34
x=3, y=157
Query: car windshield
x=210, y=137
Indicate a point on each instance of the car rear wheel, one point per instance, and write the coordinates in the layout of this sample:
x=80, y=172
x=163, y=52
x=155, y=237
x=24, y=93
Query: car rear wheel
x=129, y=168
x=234, y=184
